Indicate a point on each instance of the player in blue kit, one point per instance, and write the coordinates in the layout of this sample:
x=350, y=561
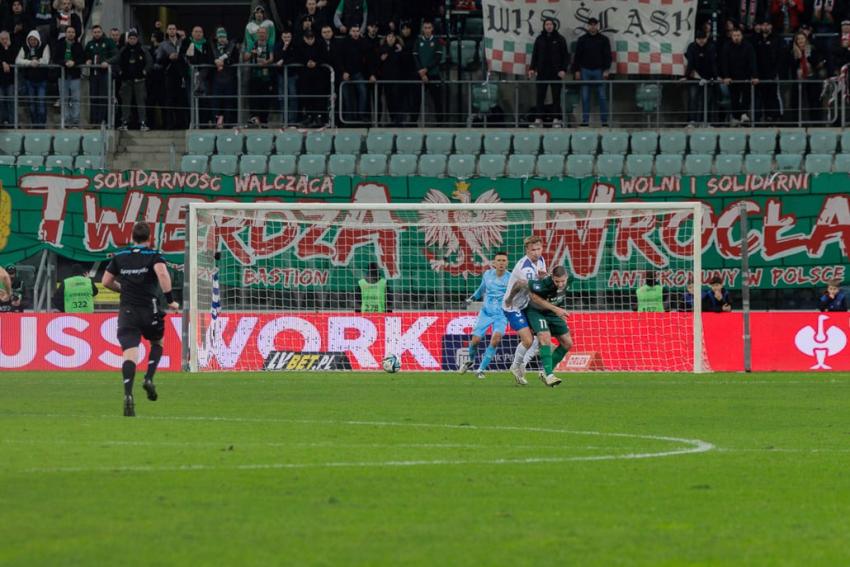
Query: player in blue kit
x=494, y=282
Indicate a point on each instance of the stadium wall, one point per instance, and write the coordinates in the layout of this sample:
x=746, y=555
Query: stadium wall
x=786, y=341
x=799, y=237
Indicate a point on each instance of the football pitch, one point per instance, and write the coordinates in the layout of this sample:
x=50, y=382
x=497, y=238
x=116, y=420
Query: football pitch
x=417, y=469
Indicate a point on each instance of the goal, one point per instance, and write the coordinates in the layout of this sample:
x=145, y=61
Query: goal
x=337, y=286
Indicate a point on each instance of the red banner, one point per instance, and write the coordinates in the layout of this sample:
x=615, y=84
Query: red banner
x=426, y=341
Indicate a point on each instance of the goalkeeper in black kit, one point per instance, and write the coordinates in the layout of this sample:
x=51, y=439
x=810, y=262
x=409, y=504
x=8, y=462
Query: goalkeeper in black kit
x=137, y=273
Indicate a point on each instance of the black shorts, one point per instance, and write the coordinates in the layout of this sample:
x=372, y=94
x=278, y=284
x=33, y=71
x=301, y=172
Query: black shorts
x=137, y=322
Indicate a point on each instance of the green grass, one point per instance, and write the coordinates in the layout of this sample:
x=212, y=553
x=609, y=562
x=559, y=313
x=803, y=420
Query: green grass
x=373, y=469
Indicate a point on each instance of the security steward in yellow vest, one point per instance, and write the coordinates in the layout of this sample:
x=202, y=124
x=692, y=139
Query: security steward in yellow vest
x=76, y=293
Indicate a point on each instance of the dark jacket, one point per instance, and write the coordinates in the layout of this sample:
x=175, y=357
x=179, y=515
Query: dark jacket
x=353, y=56
x=287, y=56
x=738, y=62
x=133, y=62
x=7, y=55
x=229, y=55
x=793, y=64
x=351, y=13
x=99, y=50
x=702, y=60
x=316, y=20
x=59, y=24
x=550, y=55
x=62, y=53
x=592, y=52
x=391, y=63
x=428, y=54
x=18, y=27
x=329, y=52
x=770, y=53
x=711, y=303
x=837, y=304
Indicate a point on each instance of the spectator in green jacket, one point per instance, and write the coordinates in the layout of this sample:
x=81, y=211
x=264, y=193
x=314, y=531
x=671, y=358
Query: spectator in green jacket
x=428, y=55
x=99, y=50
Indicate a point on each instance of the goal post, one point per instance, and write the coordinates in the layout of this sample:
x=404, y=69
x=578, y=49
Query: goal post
x=336, y=286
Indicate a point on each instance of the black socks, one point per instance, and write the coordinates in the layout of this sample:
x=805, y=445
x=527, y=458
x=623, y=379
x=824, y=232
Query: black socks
x=153, y=361
x=128, y=369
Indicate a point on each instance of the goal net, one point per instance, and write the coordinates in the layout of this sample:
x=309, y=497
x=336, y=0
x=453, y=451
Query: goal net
x=335, y=286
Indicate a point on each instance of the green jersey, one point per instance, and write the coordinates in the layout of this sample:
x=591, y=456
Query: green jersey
x=547, y=290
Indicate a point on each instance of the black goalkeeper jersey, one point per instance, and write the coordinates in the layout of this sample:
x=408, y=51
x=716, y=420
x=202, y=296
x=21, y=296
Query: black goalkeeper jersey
x=133, y=267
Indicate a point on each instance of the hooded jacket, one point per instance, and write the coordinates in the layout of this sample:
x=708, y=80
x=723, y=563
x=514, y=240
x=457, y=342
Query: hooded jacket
x=34, y=59
x=550, y=55
x=592, y=52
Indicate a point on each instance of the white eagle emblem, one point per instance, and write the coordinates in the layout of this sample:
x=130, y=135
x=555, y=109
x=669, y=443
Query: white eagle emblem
x=458, y=242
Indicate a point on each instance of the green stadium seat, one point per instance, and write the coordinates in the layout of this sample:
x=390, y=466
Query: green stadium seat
x=698, y=164
x=253, y=164
x=7, y=160
x=380, y=143
x=93, y=144
x=529, y=144
x=520, y=165
x=432, y=165
x=638, y=165
x=194, y=163
x=474, y=27
x=27, y=160
x=763, y=141
x=468, y=143
x=37, y=143
x=312, y=165
x=409, y=143
x=491, y=165
x=67, y=144
x=319, y=143
x=842, y=163
x=11, y=143
x=673, y=142
x=283, y=165
x=644, y=143
x=439, y=143
x=758, y=164
x=823, y=142
x=229, y=144
x=668, y=164
x=88, y=162
x=733, y=142
x=703, y=142
x=224, y=165
x=845, y=142
x=613, y=142
x=551, y=165
x=728, y=164
x=289, y=143
x=348, y=143
x=461, y=165
x=403, y=165
x=342, y=165
x=584, y=142
x=200, y=144
x=607, y=165
x=59, y=162
x=648, y=96
x=554, y=143
x=789, y=162
x=373, y=165
x=259, y=143
x=792, y=142
x=818, y=163
x=581, y=165
x=497, y=143
x=467, y=51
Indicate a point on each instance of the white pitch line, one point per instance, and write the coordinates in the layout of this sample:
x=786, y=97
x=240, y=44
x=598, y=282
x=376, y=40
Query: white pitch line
x=692, y=446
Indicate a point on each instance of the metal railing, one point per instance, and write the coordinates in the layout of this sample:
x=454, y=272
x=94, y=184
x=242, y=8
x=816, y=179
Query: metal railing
x=282, y=96
x=70, y=105
x=630, y=103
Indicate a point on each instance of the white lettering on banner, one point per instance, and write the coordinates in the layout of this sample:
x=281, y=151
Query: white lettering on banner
x=109, y=332
x=730, y=218
x=270, y=331
x=398, y=343
x=357, y=346
x=26, y=334
x=81, y=351
x=647, y=37
x=54, y=191
x=227, y=355
x=460, y=325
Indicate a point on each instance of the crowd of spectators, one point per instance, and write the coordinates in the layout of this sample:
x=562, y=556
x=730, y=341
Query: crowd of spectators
x=746, y=48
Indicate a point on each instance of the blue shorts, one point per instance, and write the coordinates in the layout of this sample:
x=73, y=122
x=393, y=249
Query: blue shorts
x=486, y=319
x=517, y=320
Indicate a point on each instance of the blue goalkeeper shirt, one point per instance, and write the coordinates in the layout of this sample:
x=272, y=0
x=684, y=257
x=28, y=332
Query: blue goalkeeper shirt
x=492, y=289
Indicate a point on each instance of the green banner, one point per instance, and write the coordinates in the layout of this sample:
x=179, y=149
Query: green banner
x=799, y=225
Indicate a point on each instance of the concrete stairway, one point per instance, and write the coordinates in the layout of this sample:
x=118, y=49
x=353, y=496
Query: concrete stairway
x=149, y=150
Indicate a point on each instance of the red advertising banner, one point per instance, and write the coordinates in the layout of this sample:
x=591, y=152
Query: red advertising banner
x=432, y=341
